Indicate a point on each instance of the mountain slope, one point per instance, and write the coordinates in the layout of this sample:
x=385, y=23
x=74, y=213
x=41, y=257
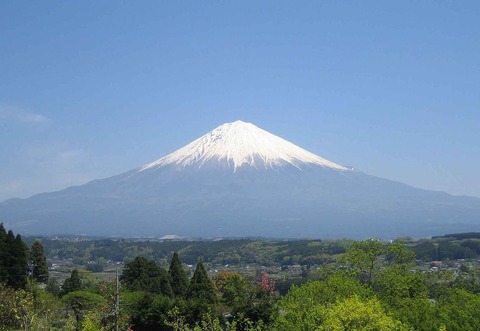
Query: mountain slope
x=239, y=180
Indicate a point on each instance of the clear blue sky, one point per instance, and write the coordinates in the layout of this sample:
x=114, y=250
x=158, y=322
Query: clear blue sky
x=90, y=89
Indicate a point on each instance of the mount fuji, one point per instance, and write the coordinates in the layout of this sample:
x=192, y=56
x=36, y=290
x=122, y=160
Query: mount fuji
x=239, y=180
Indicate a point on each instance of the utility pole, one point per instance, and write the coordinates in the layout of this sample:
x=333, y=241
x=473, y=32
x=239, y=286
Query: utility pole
x=117, y=299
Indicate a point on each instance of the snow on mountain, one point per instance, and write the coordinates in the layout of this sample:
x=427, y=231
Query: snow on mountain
x=203, y=190
x=240, y=144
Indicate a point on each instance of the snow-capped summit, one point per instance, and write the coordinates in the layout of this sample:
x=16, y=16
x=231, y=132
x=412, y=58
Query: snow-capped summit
x=213, y=187
x=239, y=144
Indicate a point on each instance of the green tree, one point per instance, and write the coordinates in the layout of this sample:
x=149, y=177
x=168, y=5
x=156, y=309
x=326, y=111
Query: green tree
x=395, y=284
x=53, y=287
x=304, y=308
x=144, y=275
x=15, y=261
x=81, y=301
x=386, y=269
x=232, y=288
x=178, y=277
x=355, y=314
x=399, y=254
x=201, y=287
x=39, y=262
x=468, y=279
x=459, y=310
x=91, y=322
x=364, y=258
x=16, y=308
x=72, y=283
x=200, y=293
x=151, y=311
x=208, y=322
x=405, y=294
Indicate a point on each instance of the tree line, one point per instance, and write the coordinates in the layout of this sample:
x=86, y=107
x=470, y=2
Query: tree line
x=373, y=285
x=93, y=254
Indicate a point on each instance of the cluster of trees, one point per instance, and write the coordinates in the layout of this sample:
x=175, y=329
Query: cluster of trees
x=268, y=253
x=13, y=259
x=150, y=298
x=371, y=286
x=93, y=254
x=447, y=249
x=374, y=288
x=157, y=299
x=17, y=261
x=19, y=266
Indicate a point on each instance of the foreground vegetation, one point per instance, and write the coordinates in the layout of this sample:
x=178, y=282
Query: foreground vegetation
x=339, y=285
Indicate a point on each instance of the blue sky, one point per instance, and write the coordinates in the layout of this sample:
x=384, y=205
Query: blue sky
x=93, y=89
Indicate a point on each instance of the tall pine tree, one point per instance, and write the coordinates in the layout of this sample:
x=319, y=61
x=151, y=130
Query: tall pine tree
x=13, y=259
x=178, y=277
x=39, y=262
x=17, y=261
x=144, y=275
x=201, y=287
x=72, y=283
